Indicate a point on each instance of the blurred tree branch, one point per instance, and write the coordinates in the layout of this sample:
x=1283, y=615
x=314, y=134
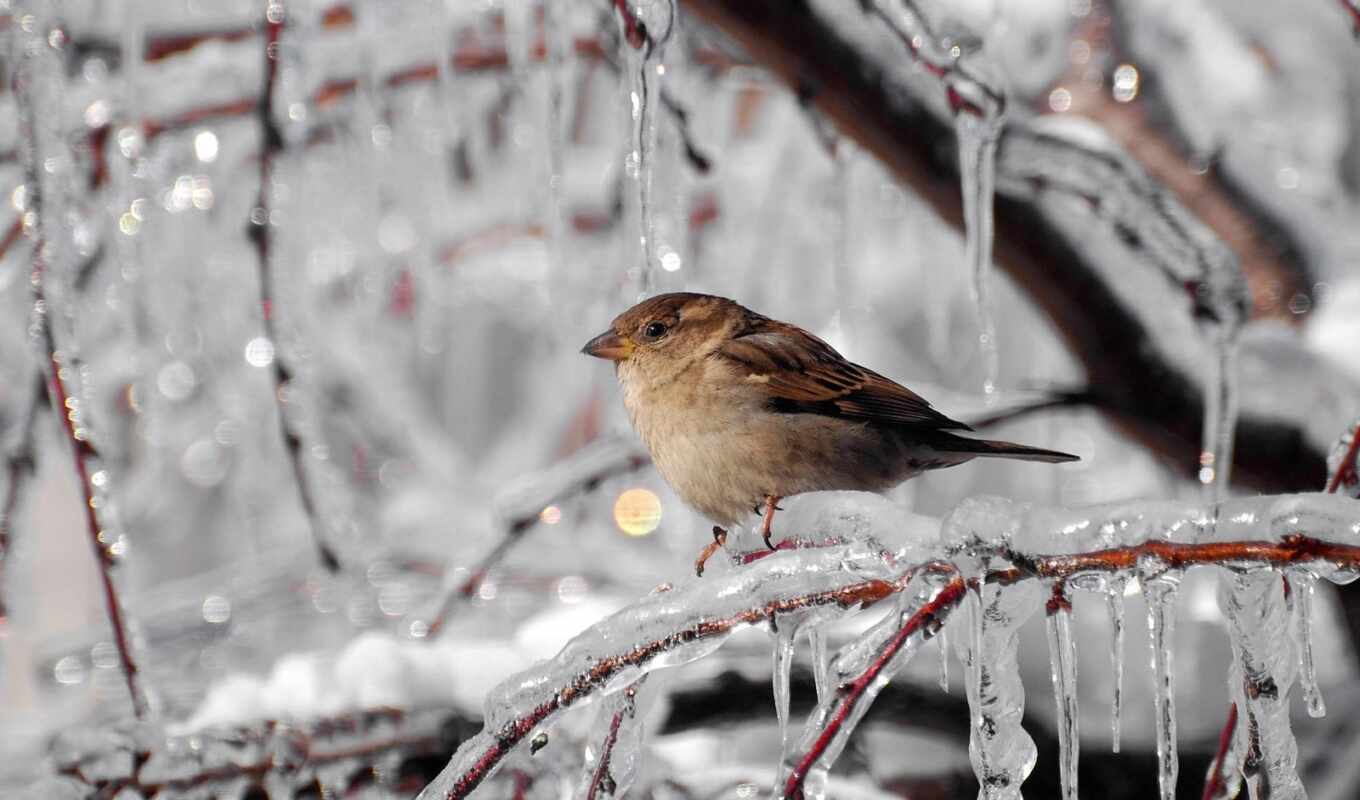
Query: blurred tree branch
x=1153, y=399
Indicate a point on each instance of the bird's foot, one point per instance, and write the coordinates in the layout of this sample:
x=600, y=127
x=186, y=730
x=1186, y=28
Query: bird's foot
x=771, y=506
x=719, y=541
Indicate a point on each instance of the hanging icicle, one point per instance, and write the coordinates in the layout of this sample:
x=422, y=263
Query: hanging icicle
x=1062, y=657
x=1114, y=600
x=1159, y=591
x=646, y=26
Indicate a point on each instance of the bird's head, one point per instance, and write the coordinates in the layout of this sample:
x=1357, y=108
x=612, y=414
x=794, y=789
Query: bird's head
x=663, y=335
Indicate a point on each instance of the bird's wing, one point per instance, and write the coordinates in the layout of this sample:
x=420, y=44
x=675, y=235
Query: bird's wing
x=804, y=374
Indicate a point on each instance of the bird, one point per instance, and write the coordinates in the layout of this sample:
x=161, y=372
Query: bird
x=739, y=410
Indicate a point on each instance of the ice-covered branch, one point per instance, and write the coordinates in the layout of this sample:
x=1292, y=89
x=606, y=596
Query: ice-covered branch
x=662, y=630
x=1129, y=332
x=261, y=225
x=1008, y=548
x=34, y=75
x=520, y=506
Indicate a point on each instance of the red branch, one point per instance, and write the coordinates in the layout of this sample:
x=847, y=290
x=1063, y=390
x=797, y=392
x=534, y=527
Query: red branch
x=602, y=780
x=271, y=142
x=1217, y=782
x=1346, y=471
x=849, y=695
x=634, y=31
x=67, y=407
x=12, y=235
x=585, y=684
x=1293, y=549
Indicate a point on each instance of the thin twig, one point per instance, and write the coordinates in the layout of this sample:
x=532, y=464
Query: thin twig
x=56, y=366
x=849, y=695
x=602, y=780
x=271, y=143
x=521, y=521
x=1217, y=783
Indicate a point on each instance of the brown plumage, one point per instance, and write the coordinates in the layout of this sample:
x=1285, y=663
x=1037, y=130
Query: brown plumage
x=739, y=409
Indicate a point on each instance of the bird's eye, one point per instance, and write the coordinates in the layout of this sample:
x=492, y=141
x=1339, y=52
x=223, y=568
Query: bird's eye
x=654, y=330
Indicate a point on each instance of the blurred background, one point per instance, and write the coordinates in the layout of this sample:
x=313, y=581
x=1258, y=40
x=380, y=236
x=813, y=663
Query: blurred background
x=338, y=295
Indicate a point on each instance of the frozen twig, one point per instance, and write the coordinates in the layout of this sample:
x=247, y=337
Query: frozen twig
x=271, y=144
x=19, y=463
x=853, y=696
x=602, y=781
x=59, y=367
x=690, y=621
x=520, y=505
x=1217, y=782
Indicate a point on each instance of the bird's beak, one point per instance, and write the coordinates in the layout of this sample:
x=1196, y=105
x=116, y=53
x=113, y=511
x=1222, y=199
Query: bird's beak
x=610, y=346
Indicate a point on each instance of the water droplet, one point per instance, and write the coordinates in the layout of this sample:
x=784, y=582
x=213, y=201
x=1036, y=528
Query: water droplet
x=205, y=146
x=216, y=609
x=1125, y=84
x=69, y=671
x=259, y=352
x=1060, y=99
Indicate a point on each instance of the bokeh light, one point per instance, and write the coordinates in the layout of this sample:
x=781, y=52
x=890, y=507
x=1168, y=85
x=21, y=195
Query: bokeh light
x=637, y=512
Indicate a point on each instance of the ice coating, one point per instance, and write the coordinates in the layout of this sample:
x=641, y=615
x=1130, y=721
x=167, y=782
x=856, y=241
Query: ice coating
x=1301, y=587
x=525, y=497
x=39, y=91
x=943, y=677
x=1343, y=475
x=861, y=669
x=646, y=26
x=1002, y=753
x=1114, y=599
x=661, y=630
x=615, y=747
x=1259, y=624
x=978, y=104
x=782, y=653
x=821, y=665
x=1159, y=592
x=1062, y=657
x=977, y=171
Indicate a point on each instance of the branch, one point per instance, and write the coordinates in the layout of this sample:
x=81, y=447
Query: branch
x=1149, y=387
x=676, y=624
x=58, y=366
x=271, y=143
x=520, y=504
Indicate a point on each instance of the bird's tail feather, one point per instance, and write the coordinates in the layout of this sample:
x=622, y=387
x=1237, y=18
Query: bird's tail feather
x=988, y=448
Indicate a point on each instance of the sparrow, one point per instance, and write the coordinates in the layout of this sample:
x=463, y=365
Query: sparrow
x=739, y=410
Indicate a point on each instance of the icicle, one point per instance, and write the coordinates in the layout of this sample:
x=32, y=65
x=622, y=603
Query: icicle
x=977, y=160
x=1302, y=585
x=1114, y=599
x=944, y=660
x=1062, y=655
x=1266, y=663
x=1002, y=753
x=650, y=21
x=1160, y=594
x=816, y=635
x=783, y=663
x=1220, y=412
